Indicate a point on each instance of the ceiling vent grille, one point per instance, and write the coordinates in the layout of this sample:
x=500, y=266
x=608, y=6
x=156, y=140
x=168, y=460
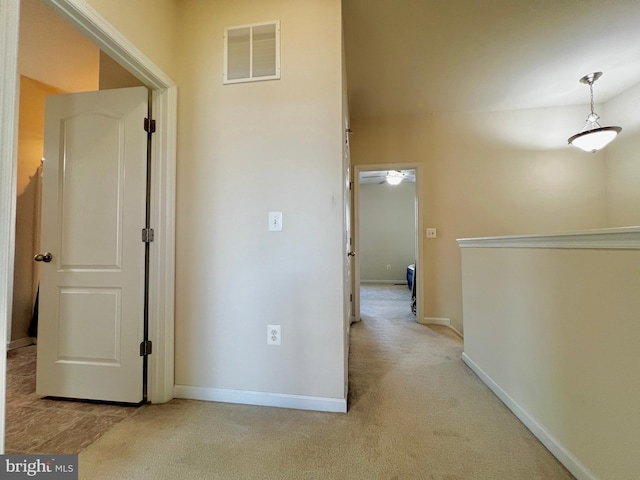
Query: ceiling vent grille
x=252, y=52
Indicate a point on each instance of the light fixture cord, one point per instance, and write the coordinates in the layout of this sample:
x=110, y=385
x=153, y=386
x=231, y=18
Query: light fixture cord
x=591, y=93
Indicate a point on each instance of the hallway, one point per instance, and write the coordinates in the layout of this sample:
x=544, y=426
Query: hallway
x=415, y=411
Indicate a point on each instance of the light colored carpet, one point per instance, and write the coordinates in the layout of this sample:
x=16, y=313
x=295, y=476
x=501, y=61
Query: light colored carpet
x=415, y=412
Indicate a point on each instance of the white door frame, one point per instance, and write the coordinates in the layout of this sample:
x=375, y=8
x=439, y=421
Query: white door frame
x=356, y=232
x=164, y=104
x=9, y=20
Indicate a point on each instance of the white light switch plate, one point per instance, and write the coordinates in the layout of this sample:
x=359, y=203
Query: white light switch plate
x=275, y=221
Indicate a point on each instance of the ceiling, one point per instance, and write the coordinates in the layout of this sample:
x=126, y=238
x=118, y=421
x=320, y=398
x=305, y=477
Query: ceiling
x=425, y=56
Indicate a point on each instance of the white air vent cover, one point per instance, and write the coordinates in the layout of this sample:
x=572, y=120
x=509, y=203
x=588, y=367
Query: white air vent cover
x=252, y=52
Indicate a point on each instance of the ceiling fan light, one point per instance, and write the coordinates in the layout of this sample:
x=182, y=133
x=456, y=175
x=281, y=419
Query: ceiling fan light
x=595, y=139
x=394, y=178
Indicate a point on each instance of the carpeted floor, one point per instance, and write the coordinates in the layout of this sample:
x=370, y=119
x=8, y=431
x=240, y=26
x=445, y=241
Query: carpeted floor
x=415, y=412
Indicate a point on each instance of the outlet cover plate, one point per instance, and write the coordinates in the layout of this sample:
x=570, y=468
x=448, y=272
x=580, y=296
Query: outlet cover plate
x=273, y=335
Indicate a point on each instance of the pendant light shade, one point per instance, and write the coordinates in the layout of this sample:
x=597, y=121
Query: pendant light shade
x=593, y=137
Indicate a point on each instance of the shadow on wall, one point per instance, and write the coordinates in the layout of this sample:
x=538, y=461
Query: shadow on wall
x=26, y=271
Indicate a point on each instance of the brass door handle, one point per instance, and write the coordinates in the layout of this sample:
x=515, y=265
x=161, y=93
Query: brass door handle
x=45, y=257
x=351, y=254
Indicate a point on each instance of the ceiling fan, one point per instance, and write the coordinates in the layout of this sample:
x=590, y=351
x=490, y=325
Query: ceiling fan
x=393, y=177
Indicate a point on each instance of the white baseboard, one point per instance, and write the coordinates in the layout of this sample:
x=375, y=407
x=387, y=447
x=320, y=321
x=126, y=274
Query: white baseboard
x=388, y=282
x=19, y=343
x=564, y=456
x=265, y=399
x=441, y=321
x=435, y=321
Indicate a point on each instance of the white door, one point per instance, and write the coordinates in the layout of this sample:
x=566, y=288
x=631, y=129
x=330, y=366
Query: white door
x=94, y=204
x=348, y=247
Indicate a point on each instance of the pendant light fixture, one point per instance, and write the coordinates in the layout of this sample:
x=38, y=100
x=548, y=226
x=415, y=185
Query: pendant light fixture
x=593, y=137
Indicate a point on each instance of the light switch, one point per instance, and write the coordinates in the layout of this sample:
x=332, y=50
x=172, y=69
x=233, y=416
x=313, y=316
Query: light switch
x=275, y=221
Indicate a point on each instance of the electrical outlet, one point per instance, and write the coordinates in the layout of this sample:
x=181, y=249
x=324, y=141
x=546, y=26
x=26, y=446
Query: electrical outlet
x=431, y=233
x=273, y=335
x=388, y=267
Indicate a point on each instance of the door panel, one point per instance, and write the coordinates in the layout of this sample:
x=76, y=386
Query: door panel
x=88, y=312
x=91, y=144
x=94, y=204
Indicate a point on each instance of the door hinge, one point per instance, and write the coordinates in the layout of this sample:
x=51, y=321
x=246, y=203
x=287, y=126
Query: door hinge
x=350, y=185
x=145, y=348
x=147, y=235
x=149, y=126
x=351, y=297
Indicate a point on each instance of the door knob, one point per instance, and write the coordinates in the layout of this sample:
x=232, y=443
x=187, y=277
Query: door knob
x=351, y=254
x=43, y=257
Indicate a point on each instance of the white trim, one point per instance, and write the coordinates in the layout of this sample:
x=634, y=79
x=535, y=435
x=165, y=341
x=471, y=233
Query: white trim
x=9, y=21
x=161, y=295
x=19, y=343
x=435, y=321
x=564, y=456
x=266, y=399
x=441, y=321
x=387, y=282
x=162, y=267
x=456, y=331
x=625, y=238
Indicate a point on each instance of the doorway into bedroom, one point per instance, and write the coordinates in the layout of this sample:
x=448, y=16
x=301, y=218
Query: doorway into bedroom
x=387, y=243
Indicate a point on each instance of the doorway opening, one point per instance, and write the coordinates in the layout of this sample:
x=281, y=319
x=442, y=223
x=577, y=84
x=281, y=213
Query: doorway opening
x=126, y=64
x=80, y=67
x=386, y=212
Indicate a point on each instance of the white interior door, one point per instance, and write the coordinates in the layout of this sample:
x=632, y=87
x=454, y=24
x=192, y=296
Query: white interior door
x=94, y=203
x=348, y=246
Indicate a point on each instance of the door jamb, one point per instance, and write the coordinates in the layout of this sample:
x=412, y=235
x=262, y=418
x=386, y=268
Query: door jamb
x=9, y=94
x=356, y=231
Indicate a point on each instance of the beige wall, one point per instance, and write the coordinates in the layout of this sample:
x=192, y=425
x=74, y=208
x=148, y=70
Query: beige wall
x=244, y=150
x=556, y=330
x=149, y=24
x=387, y=220
x=623, y=160
x=30, y=151
x=488, y=174
x=52, y=52
x=112, y=75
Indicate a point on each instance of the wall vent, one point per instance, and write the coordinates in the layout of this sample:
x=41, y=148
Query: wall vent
x=252, y=52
